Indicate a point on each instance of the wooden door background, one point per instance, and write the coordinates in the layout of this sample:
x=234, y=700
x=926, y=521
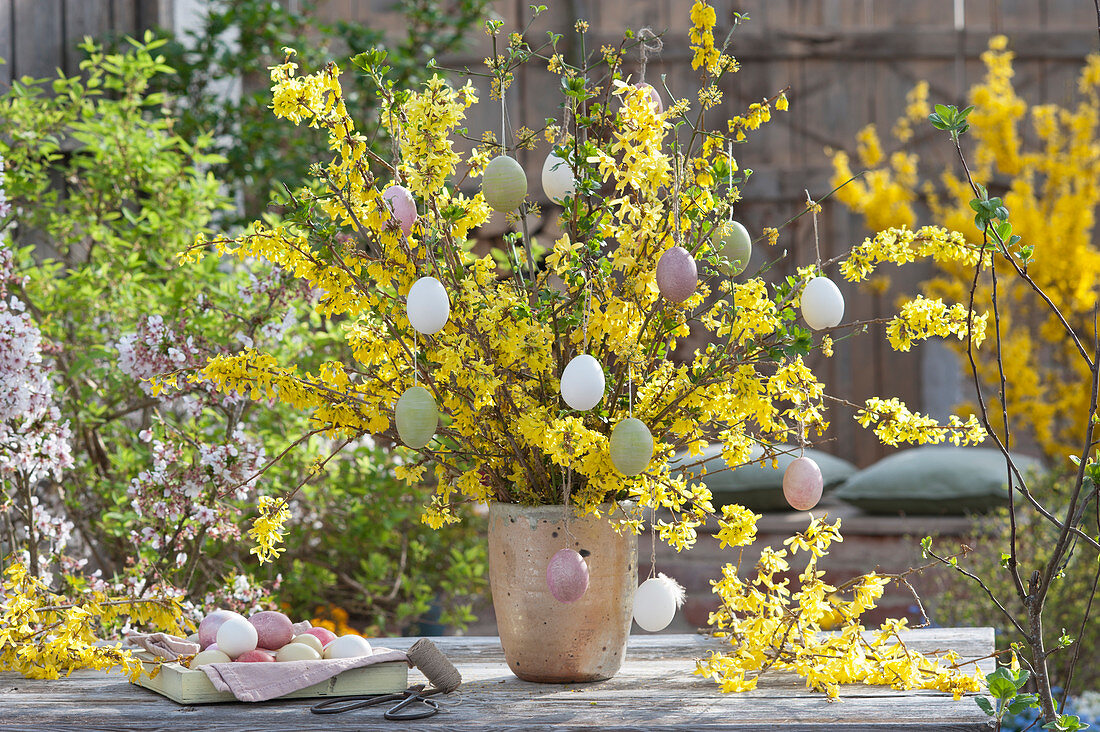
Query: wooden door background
x=847, y=62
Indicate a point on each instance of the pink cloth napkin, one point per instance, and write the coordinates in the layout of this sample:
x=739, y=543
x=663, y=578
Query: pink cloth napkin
x=163, y=645
x=256, y=682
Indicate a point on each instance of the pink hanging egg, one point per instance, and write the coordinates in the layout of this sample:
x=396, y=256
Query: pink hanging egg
x=677, y=276
x=567, y=575
x=401, y=204
x=802, y=484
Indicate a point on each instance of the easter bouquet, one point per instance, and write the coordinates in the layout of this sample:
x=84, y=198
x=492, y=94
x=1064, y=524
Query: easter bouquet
x=546, y=376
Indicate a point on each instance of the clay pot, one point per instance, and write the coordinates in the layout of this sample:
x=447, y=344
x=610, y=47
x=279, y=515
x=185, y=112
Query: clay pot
x=546, y=640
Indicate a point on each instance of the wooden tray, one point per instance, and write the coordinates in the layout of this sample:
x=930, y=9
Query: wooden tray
x=192, y=686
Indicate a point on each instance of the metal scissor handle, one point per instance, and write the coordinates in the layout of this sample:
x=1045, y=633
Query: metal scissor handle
x=413, y=694
x=430, y=707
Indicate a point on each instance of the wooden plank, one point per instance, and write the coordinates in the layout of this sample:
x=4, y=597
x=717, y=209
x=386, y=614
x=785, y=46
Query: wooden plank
x=879, y=45
x=6, y=41
x=36, y=38
x=123, y=15
x=655, y=690
x=82, y=18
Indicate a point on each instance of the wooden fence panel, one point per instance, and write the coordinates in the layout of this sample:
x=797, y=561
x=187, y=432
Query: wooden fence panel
x=38, y=37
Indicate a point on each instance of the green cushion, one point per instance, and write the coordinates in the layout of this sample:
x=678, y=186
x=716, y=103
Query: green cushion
x=934, y=481
x=757, y=486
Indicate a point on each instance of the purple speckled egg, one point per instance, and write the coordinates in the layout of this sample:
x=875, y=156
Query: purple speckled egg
x=802, y=484
x=401, y=205
x=654, y=97
x=677, y=276
x=567, y=575
x=273, y=629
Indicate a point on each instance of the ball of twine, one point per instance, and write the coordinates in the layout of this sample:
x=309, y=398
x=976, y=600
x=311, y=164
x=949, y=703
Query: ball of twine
x=427, y=657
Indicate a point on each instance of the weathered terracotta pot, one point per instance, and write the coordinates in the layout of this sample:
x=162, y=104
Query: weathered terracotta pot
x=546, y=640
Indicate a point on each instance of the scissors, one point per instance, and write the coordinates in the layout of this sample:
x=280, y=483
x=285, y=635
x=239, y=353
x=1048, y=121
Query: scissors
x=413, y=695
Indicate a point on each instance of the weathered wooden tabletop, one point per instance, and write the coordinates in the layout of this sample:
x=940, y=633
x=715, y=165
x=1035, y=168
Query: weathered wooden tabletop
x=654, y=691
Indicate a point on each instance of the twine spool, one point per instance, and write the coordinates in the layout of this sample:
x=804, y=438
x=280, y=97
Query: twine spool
x=427, y=657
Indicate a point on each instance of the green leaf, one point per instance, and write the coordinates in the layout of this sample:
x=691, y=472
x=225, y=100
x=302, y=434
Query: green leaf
x=1001, y=687
x=985, y=705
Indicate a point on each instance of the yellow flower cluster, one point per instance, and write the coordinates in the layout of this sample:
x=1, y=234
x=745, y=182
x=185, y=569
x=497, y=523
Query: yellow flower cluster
x=774, y=626
x=1048, y=154
x=267, y=529
x=894, y=424
x=923, y=318
x=701, y=35
x=902, y=245
x=44, y=635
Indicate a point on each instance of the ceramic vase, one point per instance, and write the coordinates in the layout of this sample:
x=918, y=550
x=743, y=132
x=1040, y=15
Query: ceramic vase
x=546, y=640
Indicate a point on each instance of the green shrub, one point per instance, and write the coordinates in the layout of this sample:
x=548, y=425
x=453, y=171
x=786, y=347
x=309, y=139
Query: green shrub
x=105, y=194
x=962, y=604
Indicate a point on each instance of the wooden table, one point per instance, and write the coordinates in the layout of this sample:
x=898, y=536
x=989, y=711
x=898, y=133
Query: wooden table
x=654, y=691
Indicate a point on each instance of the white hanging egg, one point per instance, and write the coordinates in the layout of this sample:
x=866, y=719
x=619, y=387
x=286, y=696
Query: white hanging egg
x=417, y=417
x=558, y=182
x=802, y=484
x=236, y=636
x=402, y=205
x=737, y=246
x=656, y=601
x=677, y=276
x=504, y=184
x=348, y=646
x=582, y=383
x=822, y=303
x=427, y=305
x=652, y=95
x=631, y=446
x=567, y=575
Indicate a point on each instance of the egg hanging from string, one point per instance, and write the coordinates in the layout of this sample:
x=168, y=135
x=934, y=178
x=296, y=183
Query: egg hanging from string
x=582, y=383
x=417, y=417
x=677, y=275
x=736, y=245
x=822, y=304
x=567, y=575
x=631, y=446
x=428, y=305
x=802, y=484
x=401, y=205
x=652, y=95
x=656, y=601
x=558, y=182
x=504, y=184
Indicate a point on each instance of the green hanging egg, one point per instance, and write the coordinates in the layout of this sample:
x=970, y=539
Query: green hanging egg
x=737, y=246
x=631, y=446
x=504, y=184
x=417, y=417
